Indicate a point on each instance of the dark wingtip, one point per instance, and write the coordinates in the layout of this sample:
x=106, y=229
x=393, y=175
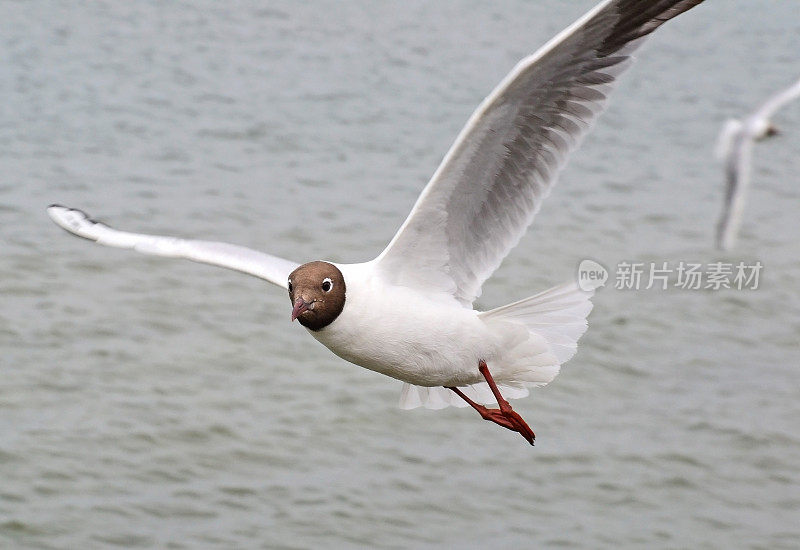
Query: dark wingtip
x=640, y=19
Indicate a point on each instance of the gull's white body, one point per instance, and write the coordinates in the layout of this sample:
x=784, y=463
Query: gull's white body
x=445, y=339
x=409, y=313
x=438, y=348
x=735, y=149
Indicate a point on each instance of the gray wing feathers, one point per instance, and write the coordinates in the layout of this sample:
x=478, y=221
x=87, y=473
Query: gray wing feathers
x=503, y=164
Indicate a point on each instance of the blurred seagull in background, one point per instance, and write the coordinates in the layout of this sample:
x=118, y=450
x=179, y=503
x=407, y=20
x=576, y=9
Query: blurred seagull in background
x=735, y=150
x=409, y=312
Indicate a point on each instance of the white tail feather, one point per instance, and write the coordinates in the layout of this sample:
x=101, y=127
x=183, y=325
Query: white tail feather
x=413, y=396
x=557, y=315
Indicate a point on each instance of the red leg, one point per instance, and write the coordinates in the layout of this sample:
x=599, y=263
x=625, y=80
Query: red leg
x=504, y=416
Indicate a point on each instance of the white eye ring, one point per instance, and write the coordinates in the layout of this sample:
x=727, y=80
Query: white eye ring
x=327, y=281
x=289, y=286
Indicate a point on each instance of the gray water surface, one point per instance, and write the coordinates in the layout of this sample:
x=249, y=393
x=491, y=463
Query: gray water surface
x=152, y=403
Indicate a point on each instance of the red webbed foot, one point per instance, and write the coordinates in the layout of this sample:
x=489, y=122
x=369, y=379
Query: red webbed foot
x=505, y=416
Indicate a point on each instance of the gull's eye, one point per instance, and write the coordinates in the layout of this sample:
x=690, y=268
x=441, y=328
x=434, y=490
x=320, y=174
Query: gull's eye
x=290, y=285
x=327, y=284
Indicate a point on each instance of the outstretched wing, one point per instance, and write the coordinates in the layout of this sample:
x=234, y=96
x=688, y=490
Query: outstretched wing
x=727, y=136
x=776, y=101
x=737, y=180
x=270, y=268
x=504, y=162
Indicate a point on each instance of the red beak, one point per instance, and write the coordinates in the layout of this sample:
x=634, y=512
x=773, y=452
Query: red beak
x=300, y=306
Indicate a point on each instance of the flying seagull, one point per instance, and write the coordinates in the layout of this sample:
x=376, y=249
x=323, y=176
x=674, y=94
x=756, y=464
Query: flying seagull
x=735, y=150
x=409, y=312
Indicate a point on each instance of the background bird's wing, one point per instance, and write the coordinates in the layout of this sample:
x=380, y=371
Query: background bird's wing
x=775, y=102
x=737, y=178
x=725, y=141
x=270, y=268
x=504, y=162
